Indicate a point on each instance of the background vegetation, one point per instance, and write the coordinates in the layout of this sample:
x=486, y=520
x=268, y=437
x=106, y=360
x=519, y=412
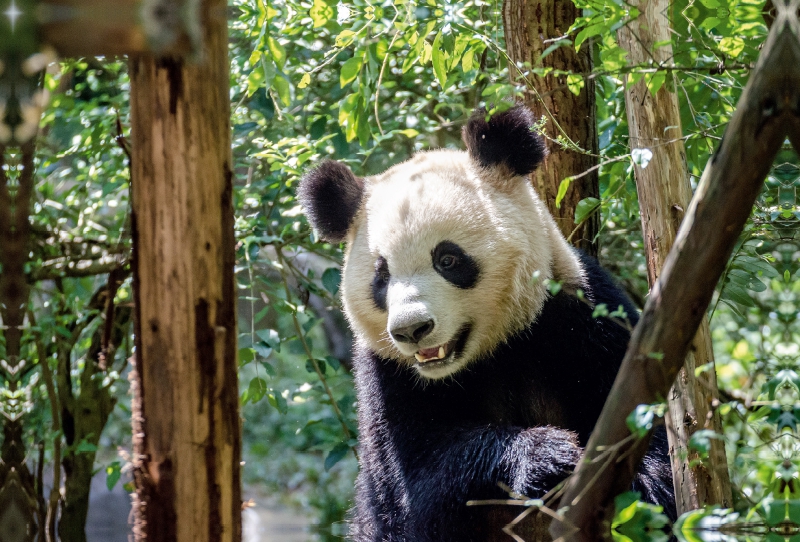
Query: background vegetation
x=369, y=84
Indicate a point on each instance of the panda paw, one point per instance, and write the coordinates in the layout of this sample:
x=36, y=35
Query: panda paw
x=541, y=458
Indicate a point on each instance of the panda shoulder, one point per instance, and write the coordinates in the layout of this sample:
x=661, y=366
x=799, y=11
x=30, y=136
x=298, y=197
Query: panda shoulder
x=602, y=288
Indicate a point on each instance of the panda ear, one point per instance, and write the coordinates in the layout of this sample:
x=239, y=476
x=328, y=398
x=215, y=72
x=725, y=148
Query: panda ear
x=331, y=196
x=505, y=140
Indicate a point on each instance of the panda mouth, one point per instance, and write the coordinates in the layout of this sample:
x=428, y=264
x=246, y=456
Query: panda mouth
x=436, y=355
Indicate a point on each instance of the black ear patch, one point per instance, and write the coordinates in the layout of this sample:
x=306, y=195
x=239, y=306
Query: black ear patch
x=331, y=196
x=506, y=139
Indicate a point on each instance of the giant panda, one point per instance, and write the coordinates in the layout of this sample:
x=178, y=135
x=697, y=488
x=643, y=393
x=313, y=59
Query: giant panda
x=471, y=373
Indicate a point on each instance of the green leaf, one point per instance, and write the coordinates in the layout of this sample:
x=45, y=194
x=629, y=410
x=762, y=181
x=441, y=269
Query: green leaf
x=439, y=57
x=754, y=265
x=585, y=208
x=333, y=362
x=731, y=46
x=700, y=441
x=350, y=70
x=656, y=81
x=278, y=52
x=262, y=349
x=270, y=337
x=246, y=355
x=641, y=420
x=257, y=389
x=277, y=400
x=255, y=81
x=635, y=521
x=736, y=293
x=310, y=323
x=755, y=285
x=304, y=81
x=336, y=455
x=557, y=45
x=331, y=279
x=345, y=38
x=562, y=191
x=85, y=447
x=113, y=473
x=282, y=87
x=467, y=59
x=575, y=83
x=425, y=55
x=268, y=368
x=589, y=31
x=320, y=13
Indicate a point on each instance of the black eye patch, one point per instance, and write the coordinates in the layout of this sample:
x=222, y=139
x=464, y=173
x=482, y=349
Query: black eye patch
x=455, y=265
x=380, y=283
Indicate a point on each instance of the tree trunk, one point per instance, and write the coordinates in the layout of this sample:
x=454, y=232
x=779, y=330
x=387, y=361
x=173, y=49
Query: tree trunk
x=664, y=194
x=764, y=116
x=529, y=26
x=85, y=416
x=187, y=434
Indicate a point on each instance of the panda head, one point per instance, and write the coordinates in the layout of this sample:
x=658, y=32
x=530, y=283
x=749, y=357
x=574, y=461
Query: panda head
x=448, y=253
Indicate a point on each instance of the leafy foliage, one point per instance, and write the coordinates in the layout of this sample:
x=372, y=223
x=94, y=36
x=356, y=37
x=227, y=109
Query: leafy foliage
x=369, y=84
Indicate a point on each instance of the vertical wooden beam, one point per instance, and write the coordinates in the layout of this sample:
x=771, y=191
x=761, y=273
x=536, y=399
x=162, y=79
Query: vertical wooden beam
x=186, y=420
x=654, y=123
x=530, y=27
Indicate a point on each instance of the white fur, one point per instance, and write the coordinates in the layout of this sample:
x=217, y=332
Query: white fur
x=498, y=220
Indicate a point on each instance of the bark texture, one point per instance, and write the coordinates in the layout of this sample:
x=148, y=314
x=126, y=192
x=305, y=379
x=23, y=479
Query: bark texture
x=768, y=111
x=530, y=27
x=186, y=418
x=664, y=194
x=97, y=27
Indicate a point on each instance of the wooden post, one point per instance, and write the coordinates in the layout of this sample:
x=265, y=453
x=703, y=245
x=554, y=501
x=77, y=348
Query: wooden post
x=186, y=411
x=654, y=123
x=768, y=111
x=530, y=27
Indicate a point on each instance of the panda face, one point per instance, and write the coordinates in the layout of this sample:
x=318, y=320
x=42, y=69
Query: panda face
x=440, y=263
x=447, y=254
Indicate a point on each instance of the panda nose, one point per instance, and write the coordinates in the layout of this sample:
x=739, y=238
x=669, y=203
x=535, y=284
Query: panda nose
x=413, y=333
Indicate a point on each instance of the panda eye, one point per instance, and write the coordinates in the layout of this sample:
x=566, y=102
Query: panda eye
x=455, y=265
x=448, y=261
x=382, y=270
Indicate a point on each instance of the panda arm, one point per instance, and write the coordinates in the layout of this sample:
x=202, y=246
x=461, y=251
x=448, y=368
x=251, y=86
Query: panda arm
x=442, y=474
x=470, y=464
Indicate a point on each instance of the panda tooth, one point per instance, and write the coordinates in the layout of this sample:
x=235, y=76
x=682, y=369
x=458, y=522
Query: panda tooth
x=441, y=352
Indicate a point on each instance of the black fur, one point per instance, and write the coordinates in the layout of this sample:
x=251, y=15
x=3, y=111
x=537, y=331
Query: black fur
x=519, y=417
x=506, y=140
x=460, y=269
x=331, y=196
x=380, y=283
